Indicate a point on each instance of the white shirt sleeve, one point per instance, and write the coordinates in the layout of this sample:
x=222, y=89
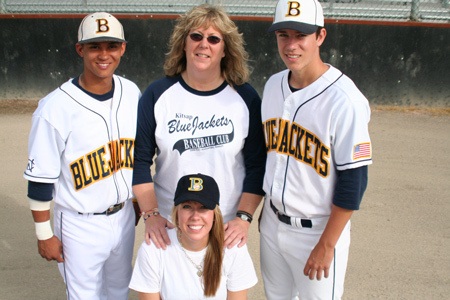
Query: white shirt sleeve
x=146, y=276
x=239, y=269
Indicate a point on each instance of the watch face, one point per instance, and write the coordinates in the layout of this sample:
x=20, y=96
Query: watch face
x=244, y=217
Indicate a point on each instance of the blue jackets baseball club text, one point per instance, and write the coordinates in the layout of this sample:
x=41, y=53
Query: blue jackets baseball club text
x=179, y=124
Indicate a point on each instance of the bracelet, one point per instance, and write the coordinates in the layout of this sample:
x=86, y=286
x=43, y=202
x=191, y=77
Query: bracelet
x=43, y=230
x=244, y=216
x=147, y=214
x=150, y=210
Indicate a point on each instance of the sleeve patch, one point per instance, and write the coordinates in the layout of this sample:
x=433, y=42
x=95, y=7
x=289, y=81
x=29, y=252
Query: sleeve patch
x=362, y=150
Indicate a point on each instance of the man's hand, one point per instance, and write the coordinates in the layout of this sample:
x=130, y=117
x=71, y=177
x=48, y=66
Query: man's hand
x=155, y=231
x=319, y=262
x=321, y=256
x=236, y=232
x=51, y=249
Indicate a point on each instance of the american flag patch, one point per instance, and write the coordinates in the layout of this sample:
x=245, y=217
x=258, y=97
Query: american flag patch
x=361, y=151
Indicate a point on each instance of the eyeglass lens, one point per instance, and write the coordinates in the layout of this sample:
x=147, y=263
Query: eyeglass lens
x=212, y=39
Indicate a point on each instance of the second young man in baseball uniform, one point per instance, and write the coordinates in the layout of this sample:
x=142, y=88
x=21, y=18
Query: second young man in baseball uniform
x=318, y=149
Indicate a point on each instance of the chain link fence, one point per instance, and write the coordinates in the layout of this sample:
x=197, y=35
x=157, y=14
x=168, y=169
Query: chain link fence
x=394, y=10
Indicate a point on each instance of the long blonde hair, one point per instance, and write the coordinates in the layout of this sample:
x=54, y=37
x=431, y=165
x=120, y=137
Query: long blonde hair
x=234, y=66
x=212, y=268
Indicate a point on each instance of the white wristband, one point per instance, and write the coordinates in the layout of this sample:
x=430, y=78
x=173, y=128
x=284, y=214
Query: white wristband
x=39, y=205
x=43, y=230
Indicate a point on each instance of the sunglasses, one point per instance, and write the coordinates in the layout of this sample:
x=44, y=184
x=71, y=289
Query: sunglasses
x=212, y=39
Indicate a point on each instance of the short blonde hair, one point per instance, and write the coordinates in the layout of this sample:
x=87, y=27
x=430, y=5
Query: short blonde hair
x=234, y=66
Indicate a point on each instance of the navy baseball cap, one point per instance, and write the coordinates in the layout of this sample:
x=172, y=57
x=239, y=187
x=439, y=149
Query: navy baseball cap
x=305, y=16
x=198, y=187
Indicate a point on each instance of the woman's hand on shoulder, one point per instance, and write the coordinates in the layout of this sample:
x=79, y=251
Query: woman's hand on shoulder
x=236, y=232
x=156, y=231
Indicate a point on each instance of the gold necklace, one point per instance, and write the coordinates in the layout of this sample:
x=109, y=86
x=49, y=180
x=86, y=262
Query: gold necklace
x=198, y=267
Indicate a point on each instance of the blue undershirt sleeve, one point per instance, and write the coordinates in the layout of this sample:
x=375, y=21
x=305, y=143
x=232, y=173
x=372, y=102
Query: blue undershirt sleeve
x=350, y=188
x=40, y=191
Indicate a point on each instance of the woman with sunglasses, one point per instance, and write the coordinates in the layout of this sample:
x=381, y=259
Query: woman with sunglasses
x=202, y=116
x=196, y=265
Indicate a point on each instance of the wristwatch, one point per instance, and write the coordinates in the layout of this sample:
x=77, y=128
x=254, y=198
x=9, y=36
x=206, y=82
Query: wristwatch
x=244, y=216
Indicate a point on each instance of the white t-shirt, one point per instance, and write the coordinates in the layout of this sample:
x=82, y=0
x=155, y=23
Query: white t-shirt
x=170, y=272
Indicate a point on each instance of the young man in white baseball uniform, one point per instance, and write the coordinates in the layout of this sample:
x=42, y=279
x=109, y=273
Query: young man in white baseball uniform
x=318, y=149
x=80, y=155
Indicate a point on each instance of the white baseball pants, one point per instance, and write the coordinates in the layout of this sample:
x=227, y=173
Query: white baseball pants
x=284, y=252
x=98, y=252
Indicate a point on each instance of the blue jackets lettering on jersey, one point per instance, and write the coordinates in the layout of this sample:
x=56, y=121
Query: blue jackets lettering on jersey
x=311, y=135
x=291, y=139
x=95, y=165
x=216, y=132
x=85, y=147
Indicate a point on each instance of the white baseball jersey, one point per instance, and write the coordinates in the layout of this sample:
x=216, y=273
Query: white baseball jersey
x=170, y=272
x=217, y=133
x=310, y=135
x=84, y=146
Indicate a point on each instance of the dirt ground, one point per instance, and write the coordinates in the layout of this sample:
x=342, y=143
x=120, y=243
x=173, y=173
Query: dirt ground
x=400, y=237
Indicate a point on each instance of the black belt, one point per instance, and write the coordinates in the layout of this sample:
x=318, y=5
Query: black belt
x=287, y=220
x=111, y=210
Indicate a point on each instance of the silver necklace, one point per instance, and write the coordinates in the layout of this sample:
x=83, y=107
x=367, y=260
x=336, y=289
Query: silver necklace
x=198, y=267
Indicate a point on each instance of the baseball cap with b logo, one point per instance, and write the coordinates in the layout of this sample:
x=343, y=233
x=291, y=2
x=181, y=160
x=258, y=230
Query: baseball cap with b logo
x=100, y=27
x=198, y=187
x=305, y=16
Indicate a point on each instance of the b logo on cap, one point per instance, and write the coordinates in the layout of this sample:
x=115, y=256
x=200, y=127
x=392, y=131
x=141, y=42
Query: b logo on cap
x=102, y=25
x=196, y=184
x=293, y=9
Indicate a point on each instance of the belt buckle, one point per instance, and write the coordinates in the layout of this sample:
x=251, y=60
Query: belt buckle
x=110, y=210
x=113, y=209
